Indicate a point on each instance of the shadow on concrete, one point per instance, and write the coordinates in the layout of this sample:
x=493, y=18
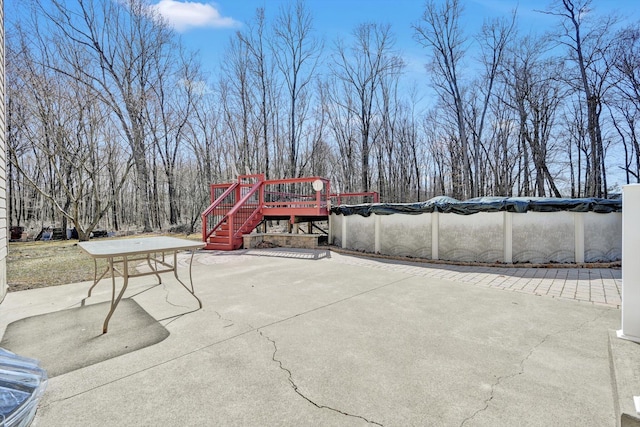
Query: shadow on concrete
x=80, y=331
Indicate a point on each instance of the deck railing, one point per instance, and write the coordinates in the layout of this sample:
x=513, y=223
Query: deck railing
x=239, y=207
x=234, y=204
x=296, y=197
x=246, y=212
x=214, y=215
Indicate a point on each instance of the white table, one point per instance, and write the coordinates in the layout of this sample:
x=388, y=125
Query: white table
x=153, y=250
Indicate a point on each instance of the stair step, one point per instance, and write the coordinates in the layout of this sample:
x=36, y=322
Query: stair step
x=219, y=246
x=224, y=246
x=219, y=239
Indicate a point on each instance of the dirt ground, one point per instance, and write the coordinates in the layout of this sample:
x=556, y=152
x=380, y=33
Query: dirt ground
x=33, y=265
x=39, y=264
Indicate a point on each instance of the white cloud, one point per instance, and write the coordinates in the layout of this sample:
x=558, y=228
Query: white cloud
x=185, y=15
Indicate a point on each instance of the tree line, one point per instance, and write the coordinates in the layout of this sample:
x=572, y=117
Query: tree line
x=112, y=123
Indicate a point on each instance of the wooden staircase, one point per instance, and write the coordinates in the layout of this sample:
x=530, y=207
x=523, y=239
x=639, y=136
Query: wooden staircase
x=238, y=208
x=220, y=241
x=222, y=238
x=236, y=211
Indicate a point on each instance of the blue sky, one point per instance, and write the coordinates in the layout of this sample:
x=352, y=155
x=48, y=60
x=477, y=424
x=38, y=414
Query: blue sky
x=206, y=26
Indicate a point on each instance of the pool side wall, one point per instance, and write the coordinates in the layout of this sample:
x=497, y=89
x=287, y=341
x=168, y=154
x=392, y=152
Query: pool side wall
x=505, y=237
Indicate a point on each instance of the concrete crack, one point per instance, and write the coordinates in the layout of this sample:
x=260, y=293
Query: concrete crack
x=505, y=377
x=166, y=296
x=295, y=386
x=224, y=319
x=521, y=367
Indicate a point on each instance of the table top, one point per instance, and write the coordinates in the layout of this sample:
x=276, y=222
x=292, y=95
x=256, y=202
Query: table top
x=143, y=245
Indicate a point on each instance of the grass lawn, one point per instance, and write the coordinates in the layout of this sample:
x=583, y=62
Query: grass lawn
x=33, y=265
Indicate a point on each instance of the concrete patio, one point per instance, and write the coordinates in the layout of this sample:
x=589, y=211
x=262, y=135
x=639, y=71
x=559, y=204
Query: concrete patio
x=314, y=337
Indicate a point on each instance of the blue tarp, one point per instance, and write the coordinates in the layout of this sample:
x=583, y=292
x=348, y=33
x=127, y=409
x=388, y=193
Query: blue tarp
x=484, y=204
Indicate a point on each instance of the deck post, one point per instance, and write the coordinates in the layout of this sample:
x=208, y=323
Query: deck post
x=630, y=263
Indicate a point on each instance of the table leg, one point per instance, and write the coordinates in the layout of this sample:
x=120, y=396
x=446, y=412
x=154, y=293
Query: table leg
x=154, y=268
x=116, y=301
x=96, y=279
x=175, y=273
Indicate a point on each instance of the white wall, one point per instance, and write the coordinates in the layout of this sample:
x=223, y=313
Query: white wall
x=405, y=235
x=544, y=237
x=630, y=263
x=361, y=232
x=476, y=237
x=599, y=245
x=537, y=237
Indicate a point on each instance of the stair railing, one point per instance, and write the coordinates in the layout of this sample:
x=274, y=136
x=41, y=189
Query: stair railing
x=245, y=212
x=217, y=211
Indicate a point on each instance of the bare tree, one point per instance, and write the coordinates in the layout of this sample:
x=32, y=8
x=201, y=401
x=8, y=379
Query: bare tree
x=625, y=102
x=493, y=41
x=502, y=152
x=238, y=103
x=261, y=70
x=168, y=114
x=399, y=150
x=62, y=138
x=361, y=70
x=121, y=41
x=440, y=31
x=344, y=134
x=535, y=95
x=314, y=150
x=588, y=41
x=296, y=53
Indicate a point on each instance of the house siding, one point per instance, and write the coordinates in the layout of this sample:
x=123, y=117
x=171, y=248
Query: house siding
x=4, y=238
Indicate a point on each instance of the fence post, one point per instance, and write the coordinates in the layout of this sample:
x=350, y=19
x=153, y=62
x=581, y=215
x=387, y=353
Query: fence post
x=331, y=236
x=376, y=233
x=344, y=231
x=507, y=230
x=630, y=263
x=578, y=232
x=435, y=229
